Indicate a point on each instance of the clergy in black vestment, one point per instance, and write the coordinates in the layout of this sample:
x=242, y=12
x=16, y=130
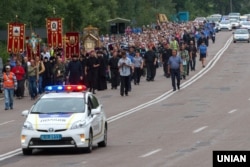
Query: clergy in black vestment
x=91, y=71
x=102, y=69
x=74, y=73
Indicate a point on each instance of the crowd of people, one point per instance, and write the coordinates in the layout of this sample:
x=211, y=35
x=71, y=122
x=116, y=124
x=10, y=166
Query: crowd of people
x=121, y=60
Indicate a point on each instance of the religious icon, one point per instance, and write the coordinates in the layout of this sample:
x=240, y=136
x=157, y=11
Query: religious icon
x=72, y=40
x=33, y=42
x=54, y=25
x=16, y=31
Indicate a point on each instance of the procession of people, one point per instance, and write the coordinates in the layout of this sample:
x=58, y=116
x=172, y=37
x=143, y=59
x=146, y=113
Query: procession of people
x=119, y=61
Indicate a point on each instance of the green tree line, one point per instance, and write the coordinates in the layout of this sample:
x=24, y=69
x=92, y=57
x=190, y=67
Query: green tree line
x=78, y=14
x=81, y=13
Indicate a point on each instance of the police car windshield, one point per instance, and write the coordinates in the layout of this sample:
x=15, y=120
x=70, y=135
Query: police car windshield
x=58, y=105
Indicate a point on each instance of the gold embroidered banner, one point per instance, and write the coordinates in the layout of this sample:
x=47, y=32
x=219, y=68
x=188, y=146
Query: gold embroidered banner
x=54, y=32
x=72, y=44
x=16, y=37
x=162, y=17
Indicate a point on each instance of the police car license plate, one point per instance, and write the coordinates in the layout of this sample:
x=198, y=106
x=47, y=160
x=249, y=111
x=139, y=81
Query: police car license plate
x=51, y=137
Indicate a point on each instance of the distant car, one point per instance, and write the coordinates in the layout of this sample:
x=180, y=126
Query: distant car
x=235, y=23
x=216, y=15
x=200, y=19
x=243, y=19
x=248, y=16
x=234, y=17
x=64, y=117
x=241, y=35
x=246, y=24
x=225, y=24
x=225, y=17
x=213, y=19
x=216, y=18
x=234, y=14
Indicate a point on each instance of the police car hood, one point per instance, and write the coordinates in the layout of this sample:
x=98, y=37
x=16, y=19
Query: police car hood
x=56, y=121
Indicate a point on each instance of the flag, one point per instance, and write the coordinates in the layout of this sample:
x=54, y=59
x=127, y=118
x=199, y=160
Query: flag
x=72, y=44
x=16, y=37
x=54, y=32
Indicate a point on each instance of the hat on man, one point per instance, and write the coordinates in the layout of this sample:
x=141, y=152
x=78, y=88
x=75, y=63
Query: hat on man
x=7, y=66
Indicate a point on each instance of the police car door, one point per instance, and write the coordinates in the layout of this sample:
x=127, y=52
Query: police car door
x=96, y=118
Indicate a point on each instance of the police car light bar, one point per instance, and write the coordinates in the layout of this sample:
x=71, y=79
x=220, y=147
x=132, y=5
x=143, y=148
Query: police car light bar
x=65, y=88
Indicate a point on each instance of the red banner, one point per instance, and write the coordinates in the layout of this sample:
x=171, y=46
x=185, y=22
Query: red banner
x=54, y=32
x=72, y=44
x=16, y=37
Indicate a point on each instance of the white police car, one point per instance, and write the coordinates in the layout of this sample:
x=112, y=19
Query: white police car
x=64, y=117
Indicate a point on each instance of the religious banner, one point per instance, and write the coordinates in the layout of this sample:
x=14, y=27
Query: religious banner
x=72, y=44
x=16, y=37
x=54, y=32
x=33, y=46
x=162, y=18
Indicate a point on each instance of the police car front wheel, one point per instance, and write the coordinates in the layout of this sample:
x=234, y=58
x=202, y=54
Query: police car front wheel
x=27, y=151
x=105, y=137
x=90, y=143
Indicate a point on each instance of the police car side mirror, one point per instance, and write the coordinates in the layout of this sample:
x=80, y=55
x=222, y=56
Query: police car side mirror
x=25, y=113
x=95, y=111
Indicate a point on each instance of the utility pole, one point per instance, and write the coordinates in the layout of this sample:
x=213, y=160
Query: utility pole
x=231, y=6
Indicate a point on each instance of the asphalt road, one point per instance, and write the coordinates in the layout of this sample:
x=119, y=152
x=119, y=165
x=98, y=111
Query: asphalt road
x=155, y=126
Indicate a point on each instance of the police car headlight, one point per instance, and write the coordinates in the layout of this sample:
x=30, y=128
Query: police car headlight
x=78, y=124
x=28, y=126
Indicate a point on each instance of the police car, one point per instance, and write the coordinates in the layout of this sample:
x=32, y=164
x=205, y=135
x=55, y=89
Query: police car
x=64, y=117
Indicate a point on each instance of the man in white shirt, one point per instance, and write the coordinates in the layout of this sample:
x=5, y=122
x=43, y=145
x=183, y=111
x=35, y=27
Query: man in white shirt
x=124, y=65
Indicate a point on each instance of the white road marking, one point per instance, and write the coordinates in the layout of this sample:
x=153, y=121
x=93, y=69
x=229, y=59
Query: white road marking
x=200, y=129
x=150, y=153
x=232, y=111
x=10, y=154
x=7, y=122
